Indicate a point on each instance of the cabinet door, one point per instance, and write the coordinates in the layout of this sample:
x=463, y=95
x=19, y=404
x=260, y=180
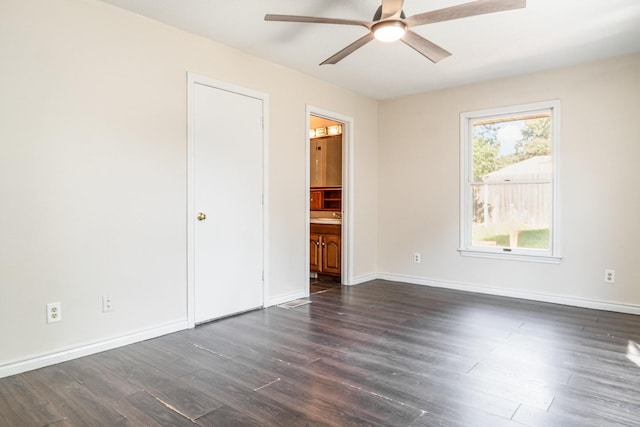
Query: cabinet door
x=315, y=253
x=315, y=202
x=332, y=157
x=325, y=156
x=331, y=256
x=317, y=164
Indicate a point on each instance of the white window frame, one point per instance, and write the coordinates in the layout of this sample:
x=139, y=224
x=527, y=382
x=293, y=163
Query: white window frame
x=552, y=255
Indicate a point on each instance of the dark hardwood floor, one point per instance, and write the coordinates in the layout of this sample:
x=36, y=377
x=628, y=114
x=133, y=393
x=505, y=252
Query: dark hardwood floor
x=323, y=283
x=381, y=353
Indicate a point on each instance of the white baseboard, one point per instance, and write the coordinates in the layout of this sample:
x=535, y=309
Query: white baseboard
x=364, y=278
x=86, y=350
x=281, y=299
x=514, y=293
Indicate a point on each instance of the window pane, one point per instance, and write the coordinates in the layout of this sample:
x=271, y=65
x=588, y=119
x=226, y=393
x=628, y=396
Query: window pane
x=511, y=215
x=512, y=172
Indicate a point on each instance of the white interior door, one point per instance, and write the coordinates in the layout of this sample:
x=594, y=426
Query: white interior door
x=227, y=143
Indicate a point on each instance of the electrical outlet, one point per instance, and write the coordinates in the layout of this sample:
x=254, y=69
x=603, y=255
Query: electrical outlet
x=610, y=276
x=54, y=312
x=106, y=304
x=416, y=258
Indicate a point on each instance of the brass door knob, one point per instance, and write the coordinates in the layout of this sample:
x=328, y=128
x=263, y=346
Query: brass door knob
x=201, y=216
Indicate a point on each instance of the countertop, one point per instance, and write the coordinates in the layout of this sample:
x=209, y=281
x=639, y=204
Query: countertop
x=337, y=221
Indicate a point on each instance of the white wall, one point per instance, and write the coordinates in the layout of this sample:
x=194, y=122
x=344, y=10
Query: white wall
x=599, y=176
x=93, y=171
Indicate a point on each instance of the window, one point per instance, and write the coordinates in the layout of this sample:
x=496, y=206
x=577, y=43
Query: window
x=509, y=161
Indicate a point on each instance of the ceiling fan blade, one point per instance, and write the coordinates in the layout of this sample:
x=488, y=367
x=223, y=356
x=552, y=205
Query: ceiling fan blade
x=348, y=50
x=478, y=7
x=391, y=8
x=315, y=20
x=432, y=51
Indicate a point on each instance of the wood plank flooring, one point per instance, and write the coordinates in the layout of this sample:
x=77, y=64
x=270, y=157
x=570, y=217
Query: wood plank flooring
x=323, y=283
x=378, y=354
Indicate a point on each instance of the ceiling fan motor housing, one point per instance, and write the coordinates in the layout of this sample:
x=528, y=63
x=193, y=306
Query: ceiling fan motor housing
x=378, y=14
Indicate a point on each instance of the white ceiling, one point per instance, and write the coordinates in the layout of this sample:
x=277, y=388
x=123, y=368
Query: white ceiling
x=546, y=34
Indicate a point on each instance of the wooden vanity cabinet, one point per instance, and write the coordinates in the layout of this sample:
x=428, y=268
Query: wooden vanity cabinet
x=325, y=199
x=325, y=249
x=315, y=202
x=331, y=254
x=315, y=253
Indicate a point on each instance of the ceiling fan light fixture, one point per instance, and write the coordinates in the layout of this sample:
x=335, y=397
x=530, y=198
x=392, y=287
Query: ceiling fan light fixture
x=389, y=31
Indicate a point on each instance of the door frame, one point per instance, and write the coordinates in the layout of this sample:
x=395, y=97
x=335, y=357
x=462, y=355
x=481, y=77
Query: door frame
x=348, y=131
x=194, y=79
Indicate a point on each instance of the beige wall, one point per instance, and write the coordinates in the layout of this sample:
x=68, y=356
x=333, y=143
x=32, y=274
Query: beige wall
x=599, y=175
x=93, y=170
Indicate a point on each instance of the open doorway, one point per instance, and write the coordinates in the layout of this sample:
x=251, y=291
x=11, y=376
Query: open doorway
x=328, y=178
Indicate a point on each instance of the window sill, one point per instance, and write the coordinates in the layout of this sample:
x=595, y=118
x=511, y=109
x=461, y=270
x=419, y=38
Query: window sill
x=547, y=259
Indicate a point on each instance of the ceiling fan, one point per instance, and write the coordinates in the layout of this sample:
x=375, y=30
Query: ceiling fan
x=390, y=24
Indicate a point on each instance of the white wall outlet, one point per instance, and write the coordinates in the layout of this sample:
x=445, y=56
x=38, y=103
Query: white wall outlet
x=106, y=304
x=610, y=276
x=54, y=312
x=416, y=258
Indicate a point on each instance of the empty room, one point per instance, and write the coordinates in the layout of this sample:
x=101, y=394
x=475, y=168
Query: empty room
x=285, y=213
